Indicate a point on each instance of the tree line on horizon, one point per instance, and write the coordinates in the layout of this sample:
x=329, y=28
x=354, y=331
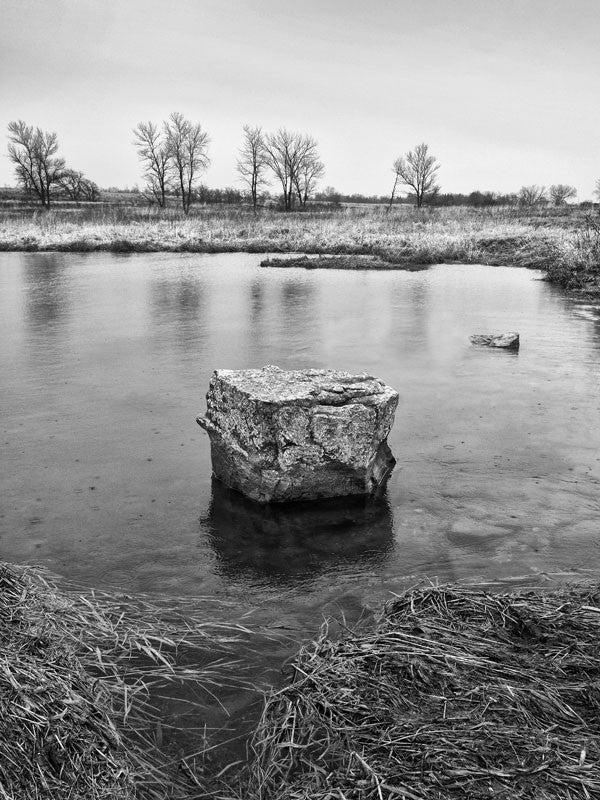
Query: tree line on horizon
x=174, y=155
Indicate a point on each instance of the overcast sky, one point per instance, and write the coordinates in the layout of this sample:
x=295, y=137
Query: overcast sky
x=505, y=92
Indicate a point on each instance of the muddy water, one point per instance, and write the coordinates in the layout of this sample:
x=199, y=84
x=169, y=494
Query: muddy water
x=105, y=361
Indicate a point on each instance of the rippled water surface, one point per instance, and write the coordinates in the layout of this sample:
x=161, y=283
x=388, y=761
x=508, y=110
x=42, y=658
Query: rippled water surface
x=105, y=362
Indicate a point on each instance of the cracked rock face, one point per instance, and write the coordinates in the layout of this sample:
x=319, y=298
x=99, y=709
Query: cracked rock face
x=279, y=435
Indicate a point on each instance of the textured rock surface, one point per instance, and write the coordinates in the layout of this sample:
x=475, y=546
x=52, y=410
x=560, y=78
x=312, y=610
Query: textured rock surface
x=280, y=435
x=508, y=340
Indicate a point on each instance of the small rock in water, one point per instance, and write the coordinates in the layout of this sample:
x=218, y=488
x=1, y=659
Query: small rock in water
x=279, y=435
x=508, y=340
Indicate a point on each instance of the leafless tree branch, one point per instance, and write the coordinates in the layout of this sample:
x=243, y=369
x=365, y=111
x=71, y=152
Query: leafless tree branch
x=187, y=145
x=532, y=195
x=294, y=160
x=154, y=154
x=253, y=162
x=560, y=193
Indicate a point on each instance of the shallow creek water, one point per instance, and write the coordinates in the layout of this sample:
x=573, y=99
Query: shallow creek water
x=106, y=478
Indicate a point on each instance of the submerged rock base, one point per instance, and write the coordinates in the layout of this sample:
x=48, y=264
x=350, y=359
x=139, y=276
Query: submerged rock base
x=280, y=435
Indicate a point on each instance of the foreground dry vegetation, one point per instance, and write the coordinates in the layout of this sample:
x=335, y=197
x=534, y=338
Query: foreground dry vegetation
x=565, y=243
x=454, y=692
x=83, y=681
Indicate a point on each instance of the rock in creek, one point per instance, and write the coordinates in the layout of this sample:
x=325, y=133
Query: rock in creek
x=279, y=435
x=508, y=340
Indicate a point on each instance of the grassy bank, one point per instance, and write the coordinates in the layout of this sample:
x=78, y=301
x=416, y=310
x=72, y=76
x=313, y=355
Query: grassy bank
x=564, y=244
x=83, y=682
x=457, y=693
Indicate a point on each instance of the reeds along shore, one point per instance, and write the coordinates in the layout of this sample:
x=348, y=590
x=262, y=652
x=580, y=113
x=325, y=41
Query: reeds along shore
x=565, y=243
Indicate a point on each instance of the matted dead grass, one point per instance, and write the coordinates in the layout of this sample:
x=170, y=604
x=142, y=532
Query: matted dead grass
x=457, y=693
x=79, y=678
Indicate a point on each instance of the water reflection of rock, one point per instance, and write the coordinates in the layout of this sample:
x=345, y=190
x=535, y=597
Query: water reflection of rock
x=287, y=542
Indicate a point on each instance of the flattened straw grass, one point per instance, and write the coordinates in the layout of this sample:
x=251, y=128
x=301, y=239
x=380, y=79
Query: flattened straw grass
x=456, y=693
x=80, y=683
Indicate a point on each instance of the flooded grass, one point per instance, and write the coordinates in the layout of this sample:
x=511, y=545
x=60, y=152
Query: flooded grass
x=83, y=679
x=566, y=246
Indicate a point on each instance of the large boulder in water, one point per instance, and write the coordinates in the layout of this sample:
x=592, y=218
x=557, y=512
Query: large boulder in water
x=279, y=435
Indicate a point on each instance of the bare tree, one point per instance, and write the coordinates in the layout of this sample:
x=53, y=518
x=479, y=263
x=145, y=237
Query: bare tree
x=294, y=160
x=231, y=195
x=90, y=190
x=532, y=195
x=597, y=190
x=394, y=187
x=153, y=152
x=417, y=170
x=202, y=193
x=560, y=193
x=187, y=144
x=253, y=162
x=77, y=187
x=33, y=152
x=280, y=148
x=70, y=182
x=310, y=169
x=330, y=195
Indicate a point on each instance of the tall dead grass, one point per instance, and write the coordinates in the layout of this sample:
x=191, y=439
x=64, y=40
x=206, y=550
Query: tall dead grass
x=82, y=677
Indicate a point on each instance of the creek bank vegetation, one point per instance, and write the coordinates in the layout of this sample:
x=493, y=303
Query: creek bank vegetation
x=564, y=245
x=456, y=693
x=85, y=678
x=439, y=229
